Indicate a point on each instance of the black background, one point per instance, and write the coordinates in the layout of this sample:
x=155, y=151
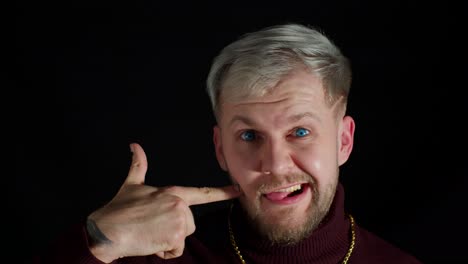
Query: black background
x=92, y=77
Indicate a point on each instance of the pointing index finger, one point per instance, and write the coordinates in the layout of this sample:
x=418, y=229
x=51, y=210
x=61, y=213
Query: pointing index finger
x=203, y=195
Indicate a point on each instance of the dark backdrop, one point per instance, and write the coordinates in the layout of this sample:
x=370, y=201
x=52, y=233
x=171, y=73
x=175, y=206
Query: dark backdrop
x=90, y=78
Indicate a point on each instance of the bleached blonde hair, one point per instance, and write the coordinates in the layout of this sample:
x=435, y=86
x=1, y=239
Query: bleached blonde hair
x=257, y=61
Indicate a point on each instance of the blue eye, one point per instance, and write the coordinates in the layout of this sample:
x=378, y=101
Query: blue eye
x=301, y=132
x=248, y=135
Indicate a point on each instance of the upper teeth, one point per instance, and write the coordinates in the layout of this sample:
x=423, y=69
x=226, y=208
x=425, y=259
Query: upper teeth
x=291, y=189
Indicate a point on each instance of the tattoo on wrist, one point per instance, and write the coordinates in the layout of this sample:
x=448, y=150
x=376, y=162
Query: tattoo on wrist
x=96, y=235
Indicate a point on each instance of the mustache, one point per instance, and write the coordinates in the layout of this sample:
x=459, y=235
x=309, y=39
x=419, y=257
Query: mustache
x=272, y=181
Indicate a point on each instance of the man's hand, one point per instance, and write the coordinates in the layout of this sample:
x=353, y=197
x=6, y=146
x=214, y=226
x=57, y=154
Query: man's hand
x=142, y=220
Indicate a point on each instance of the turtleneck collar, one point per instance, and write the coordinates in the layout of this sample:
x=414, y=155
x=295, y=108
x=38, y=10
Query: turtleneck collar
x=327, y=244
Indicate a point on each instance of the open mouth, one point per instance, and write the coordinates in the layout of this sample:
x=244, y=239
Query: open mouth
x=288, y=195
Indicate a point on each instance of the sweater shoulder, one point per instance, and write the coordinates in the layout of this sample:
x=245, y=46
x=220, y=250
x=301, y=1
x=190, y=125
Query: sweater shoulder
x=374, y=249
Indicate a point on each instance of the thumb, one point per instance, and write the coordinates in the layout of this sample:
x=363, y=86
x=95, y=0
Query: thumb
x=137, y=172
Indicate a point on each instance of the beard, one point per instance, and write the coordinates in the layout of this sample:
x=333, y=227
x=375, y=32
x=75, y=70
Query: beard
x=288, y=226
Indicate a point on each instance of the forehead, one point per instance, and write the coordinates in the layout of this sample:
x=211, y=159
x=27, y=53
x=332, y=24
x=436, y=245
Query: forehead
x=296, y=94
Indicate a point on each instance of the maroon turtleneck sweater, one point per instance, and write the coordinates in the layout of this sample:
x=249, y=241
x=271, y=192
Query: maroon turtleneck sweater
x=328, y=244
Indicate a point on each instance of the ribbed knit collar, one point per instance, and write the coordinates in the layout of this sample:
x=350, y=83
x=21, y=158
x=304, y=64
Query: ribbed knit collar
x=327, y=244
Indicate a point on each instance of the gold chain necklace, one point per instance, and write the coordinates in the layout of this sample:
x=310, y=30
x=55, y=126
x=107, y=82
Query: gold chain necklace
x=236, y=248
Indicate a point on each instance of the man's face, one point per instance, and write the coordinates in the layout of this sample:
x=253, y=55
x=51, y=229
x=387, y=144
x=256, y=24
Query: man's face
x=284, y=150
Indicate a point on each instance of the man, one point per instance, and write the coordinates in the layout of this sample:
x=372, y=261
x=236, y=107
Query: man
x=279, y=96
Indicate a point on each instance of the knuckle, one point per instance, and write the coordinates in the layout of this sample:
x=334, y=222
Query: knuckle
x=206, y=190
x=178, y=204
x=171, y=202
x=191, y=229
x=138, y=165
x=176, y=238
x=179, y=220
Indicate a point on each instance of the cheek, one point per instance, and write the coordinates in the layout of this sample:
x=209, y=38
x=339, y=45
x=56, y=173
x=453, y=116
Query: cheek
x=241, y=164
x=316, y=161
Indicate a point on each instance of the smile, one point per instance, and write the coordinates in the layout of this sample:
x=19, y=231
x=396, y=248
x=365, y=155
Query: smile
x=288, y=195
x=293, y=188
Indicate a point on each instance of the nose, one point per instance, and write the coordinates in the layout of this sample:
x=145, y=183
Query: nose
x=276, y=158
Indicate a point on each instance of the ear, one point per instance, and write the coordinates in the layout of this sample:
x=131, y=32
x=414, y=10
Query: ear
x=346, y=139
x=219, y=147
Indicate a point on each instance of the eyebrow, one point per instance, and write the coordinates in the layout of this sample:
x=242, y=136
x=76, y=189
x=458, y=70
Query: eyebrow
x=300, y=116
x=292, y=119
x=242, y=119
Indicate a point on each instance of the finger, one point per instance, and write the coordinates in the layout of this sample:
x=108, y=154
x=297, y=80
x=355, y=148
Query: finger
x=189, y=222
x=160, y=254
x=176, y=252
x=173, y=253
x=137, y=172
x=202, y=195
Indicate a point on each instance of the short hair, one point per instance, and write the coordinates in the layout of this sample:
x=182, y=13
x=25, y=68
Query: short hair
x=257, y=61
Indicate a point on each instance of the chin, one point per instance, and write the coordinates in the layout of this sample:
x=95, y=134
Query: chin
x=289, y=228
